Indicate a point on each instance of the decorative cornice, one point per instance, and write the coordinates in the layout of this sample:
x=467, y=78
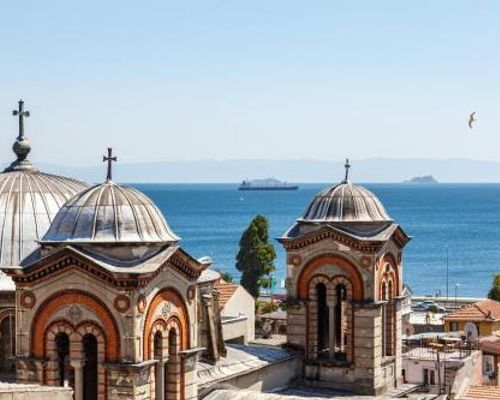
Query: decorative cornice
x=327, y=233
x=181, y=262
x=58, y=263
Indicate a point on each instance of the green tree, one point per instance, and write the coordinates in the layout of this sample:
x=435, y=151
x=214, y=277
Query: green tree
x=255, y=259
x=226, y=276
x=494, y=293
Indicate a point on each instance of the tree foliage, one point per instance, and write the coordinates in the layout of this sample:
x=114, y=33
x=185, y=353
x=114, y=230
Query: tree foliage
x=494, y=293
x=255, y=259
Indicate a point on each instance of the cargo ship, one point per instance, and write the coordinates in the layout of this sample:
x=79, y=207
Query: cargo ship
x=266, y=184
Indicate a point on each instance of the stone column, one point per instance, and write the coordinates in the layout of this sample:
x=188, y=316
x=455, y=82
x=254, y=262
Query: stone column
x=213, y=349
x=331, y=328
x=78, y=365
x=342, y=325
x=160, y=379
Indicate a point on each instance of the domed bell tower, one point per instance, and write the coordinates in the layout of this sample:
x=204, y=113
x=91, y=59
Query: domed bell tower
x=344, y=283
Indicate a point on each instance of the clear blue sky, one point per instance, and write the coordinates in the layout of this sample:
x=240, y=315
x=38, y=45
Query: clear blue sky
x=165, y=80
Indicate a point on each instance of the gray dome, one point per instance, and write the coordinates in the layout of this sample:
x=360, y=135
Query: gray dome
x=109, y=213
x=29, y=201
x=346, y=202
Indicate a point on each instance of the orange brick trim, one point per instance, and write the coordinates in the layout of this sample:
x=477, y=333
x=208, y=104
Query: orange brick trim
x=351, y=270
x=169, y=295
x=392, y=275
x=60, y=299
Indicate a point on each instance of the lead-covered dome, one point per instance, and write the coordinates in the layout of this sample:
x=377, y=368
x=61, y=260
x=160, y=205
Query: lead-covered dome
x=346, y=202
x=110, y=213
x=29, y=201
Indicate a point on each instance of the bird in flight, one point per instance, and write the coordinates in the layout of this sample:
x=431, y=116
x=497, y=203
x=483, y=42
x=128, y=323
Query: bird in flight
x=471, y=119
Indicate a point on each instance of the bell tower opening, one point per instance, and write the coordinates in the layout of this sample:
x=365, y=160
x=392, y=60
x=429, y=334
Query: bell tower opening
x=90, y=369
x=62, y=349
x=323, y=321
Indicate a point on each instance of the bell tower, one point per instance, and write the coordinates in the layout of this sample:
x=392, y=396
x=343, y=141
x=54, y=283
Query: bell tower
x=344, y=284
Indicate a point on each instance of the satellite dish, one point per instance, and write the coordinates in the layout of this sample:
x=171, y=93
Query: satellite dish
x=471, y=333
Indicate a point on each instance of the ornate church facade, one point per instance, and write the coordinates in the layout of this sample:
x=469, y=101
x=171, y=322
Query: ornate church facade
x=344, y=288
x=105, y=299
x=101, y=297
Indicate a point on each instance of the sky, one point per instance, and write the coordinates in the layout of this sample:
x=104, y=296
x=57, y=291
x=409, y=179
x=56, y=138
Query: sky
x=259, y=79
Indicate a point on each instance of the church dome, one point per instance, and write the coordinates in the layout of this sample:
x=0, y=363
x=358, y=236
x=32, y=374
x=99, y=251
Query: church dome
x=110, y=213
x=346, y=202
x=29, y=201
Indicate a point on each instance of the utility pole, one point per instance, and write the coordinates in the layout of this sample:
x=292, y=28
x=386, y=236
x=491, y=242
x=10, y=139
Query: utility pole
x=447, y=274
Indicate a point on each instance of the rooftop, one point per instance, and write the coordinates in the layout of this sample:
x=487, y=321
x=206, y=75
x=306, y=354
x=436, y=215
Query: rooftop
x=239, y=360
x=226, y=291
x=300, y=392
x=485, y=310
x=482, y=392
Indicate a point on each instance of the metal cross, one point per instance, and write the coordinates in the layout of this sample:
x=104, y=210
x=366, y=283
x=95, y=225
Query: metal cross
x=347, y=166
x=110, y=158
x=21, y=113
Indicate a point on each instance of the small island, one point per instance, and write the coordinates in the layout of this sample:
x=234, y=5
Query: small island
x=422, y=179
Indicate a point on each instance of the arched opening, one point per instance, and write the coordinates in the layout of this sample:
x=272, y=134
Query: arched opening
x=63, y=367
x=340, y=321
x=173, y=387
x=90, y=368
x=323, y=321
x=159, y=372
x=7, y=344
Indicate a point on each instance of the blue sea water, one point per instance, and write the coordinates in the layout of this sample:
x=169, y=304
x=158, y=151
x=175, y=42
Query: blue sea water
x=464, y=217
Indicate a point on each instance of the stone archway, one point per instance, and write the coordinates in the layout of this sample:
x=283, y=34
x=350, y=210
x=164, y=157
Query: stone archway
x=350, y=270
x=166, y=316
x=81, y=364
x=49, y=307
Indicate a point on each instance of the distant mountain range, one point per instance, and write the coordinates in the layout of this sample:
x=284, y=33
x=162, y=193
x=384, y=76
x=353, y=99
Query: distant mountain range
x=303, y=171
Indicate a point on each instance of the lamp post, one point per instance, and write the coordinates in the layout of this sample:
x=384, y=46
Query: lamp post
x=447, y=274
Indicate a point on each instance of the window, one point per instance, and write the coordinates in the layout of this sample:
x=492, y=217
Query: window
x=323, y=323
x=453, y=326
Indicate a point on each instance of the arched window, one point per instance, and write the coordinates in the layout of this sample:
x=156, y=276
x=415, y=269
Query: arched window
x=158, y=345
x=340, y=320
x=323, y=321
x=89, y=342
x=62, y=350
x=7, y=343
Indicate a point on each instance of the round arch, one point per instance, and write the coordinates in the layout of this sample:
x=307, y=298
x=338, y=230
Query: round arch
x=333, y=259
x=60, y=299
x=392, y=275
x=166, y=295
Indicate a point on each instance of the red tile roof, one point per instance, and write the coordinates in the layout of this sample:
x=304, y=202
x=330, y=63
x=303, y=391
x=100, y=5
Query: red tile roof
x=486, y=310
x=226, y=291
x=482, y=393
x=491, y=346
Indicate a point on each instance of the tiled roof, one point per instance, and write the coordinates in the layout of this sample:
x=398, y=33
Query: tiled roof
x=482, y=393
x=491, y=346
x=480, y=311
x=226, y=291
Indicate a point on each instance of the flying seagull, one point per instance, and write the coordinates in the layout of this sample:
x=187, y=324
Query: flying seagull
x=471, y=119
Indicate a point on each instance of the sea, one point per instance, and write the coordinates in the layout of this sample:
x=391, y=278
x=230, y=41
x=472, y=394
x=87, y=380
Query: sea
x=451, y=225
